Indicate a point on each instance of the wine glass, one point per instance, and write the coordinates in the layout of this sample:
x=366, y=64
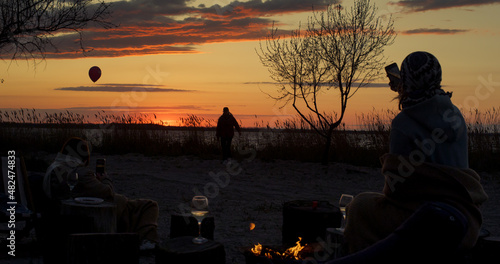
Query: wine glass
x=345, y=199
x=72, y=180
x=199, y=209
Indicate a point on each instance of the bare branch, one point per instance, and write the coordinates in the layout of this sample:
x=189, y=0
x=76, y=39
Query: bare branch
x=27, y=27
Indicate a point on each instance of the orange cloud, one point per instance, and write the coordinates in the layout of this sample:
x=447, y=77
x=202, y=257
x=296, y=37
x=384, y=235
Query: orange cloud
x=419, y=5
x=434, y=31
x=154, y=27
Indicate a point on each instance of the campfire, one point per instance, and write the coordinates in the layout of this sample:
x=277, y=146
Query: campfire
x=308, y=221
x=292, y=253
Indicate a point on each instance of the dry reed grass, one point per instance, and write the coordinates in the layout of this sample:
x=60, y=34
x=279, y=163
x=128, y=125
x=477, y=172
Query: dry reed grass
x=28, y=131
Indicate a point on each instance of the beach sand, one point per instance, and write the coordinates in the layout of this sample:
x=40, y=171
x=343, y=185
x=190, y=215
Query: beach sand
x=251, y=191
x=248, y=192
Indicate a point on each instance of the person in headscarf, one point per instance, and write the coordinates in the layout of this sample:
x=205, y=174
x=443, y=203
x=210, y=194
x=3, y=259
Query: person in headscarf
x=225, y=131
x=133, y=215
x=426, y=113
x=427, y=161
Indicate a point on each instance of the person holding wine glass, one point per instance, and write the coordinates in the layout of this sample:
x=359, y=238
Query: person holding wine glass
x=199, y=210
x=61, y=182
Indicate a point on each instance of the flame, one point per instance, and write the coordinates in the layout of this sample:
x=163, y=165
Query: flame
x=257, y=249
x=292, y=252
x=295, y=250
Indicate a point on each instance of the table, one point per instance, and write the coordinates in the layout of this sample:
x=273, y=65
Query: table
x=103, y=214
x=308, y=219
x=183, y=250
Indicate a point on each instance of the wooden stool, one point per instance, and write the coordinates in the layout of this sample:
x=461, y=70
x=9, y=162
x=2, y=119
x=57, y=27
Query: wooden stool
x=102, y=248
x=183, y=250
x=335, y=243
x=54, y=231
x=308, y=219
x=104, y=214
x=486, y=250
x=186, y=225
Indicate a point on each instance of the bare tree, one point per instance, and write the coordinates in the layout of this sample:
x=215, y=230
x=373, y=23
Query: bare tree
x=27, y=27
x=341, y=50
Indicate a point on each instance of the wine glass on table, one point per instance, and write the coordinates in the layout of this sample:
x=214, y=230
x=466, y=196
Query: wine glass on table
x=72, y=180
x=344, y=200
x=199, y=210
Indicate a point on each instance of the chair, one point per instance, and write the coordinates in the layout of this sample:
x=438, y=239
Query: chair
x=431, y=235
x=17, y=207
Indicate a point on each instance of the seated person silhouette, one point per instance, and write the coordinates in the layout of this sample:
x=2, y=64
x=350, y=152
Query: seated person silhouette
x=133, y=215
x=427, y=162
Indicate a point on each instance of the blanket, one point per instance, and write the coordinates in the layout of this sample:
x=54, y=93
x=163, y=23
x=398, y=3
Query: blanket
x=408, y=185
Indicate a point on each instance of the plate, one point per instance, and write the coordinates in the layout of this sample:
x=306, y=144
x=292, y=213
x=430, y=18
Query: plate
x=89, y=200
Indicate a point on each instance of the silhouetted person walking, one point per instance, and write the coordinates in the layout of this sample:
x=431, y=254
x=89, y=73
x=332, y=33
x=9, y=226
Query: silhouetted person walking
x=225, y=132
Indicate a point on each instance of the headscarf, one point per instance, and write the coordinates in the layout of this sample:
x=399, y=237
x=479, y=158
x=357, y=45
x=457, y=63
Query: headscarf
x=421, y=78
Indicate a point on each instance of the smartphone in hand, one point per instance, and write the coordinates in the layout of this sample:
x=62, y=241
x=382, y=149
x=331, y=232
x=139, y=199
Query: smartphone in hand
x=393, y=73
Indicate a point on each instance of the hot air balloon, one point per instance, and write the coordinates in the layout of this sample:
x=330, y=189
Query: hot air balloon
x=94, y=73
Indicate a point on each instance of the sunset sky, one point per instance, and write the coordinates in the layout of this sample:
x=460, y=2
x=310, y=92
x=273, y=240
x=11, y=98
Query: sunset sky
x=180, y=57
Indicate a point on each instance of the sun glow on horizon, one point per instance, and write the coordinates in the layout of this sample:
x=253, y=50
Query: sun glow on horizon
x=220, y=67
